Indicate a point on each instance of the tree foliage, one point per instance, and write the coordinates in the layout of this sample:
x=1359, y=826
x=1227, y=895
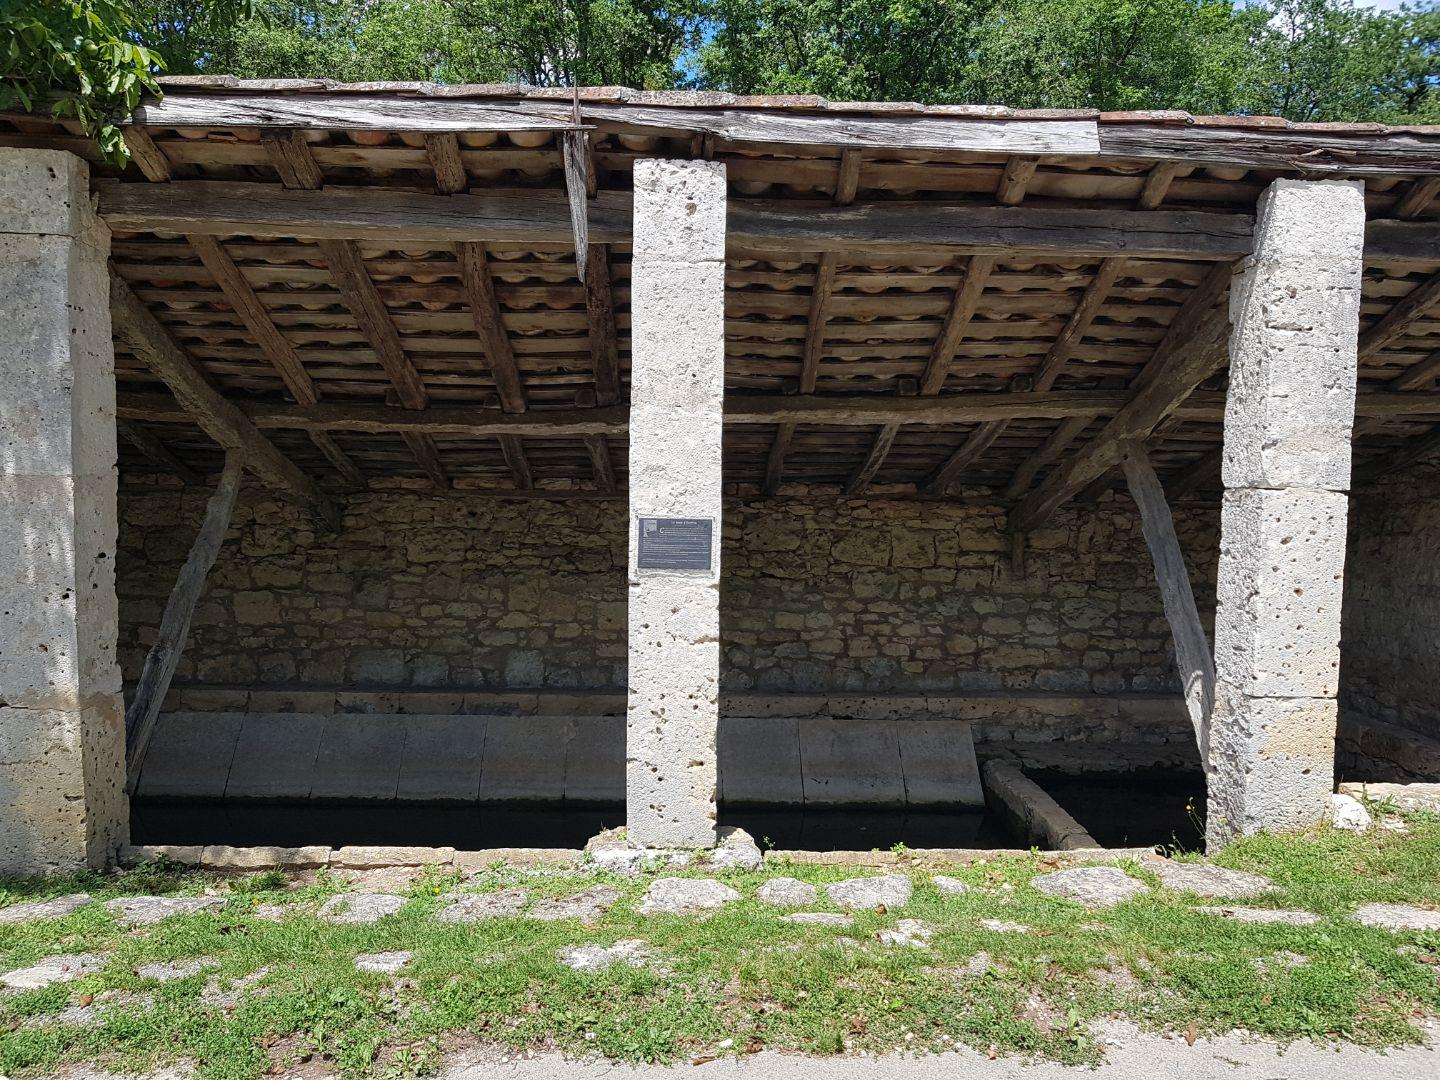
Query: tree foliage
x=90, y=60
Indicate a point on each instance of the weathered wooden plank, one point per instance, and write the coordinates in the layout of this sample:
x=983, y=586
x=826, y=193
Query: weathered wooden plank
x=575, y=147
x=350, y=112
x=601, y=467
x=427, y=454
x=874, y=460
x=1015, y=179
x=341, y=461
x=150, y=159
x=847, y=177
x=347, y=267
x=775, y=460
x=964, y=455
x=1418, y=376
x=1420, y=195
x=816, y=320
x=962, y=310
x=1285, y=149
x=485, y=311
x=513, y=449
x=291, y=157
x=975, y=134
x=164, y=655
x=247, y=305
x=1193, y=658
x=157, y=453
x=1192, y=349
x=1053, y=366
x=1065, y=433
x=1391, y=241
x=600, y=311
x=1403, y=314
x=1157, y=185
x=201, y=404
x=443, y=150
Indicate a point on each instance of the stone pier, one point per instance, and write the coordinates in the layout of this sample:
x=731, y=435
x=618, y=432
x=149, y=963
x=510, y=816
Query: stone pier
x=1291, y=404
x=677, y=390
x=62, y=730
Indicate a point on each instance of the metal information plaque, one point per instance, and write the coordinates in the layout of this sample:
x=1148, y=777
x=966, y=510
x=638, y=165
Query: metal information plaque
x=675, y=543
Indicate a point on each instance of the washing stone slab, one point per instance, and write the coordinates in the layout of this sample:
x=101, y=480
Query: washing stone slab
x=759, y=761
x=275, y=756
x=442, y=758
x=190, y=755
x=359, y=757
x=851, y=762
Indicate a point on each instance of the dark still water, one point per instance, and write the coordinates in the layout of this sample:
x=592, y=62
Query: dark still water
x=1139, y=809
x=254, y=823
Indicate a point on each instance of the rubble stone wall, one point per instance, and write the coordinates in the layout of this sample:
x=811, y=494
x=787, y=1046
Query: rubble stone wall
x=1390, y=649
x=876, y=596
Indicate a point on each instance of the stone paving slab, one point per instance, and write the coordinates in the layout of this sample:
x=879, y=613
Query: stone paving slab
x=909, y=933
x=54, y=969
x=1280, y=916
x=1397, y=917
x=1212, y=882
x=171, y=970
x=631, y=952
x=685, y=896
x=891, y=891
x=819, y=918
x=477, y=907
x=359, y=908
x=586, y=905
x=1092, y=886
x=137, y=911
x=386, y=963
x=57, y=908
x=949, y=886
x=786, y=892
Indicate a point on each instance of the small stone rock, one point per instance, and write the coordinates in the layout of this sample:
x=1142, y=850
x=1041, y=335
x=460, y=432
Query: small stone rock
x=133, y=911
x=1397, y=917
x=93, y=1013
x=477, y=907
x=587, y=905
x=1003, y=926
x=631, y=952
x=913, y=933
x=980, y=963
x=1093, y=886
x=57, y=908
x=736, y=851
x=273, y=912
x=354, y=908
x=854, y=894
x=1213, y=882
x=819, y=918
x=227, y=994
x=54, y=969
x=1348, y=813
x=383, y=963
x=786, y=892
x=1264, y=915
x=685, y=896
x=1391, y=823
x=170, y=970
x=1284, y=960
x=610, y=850
x=949, y=886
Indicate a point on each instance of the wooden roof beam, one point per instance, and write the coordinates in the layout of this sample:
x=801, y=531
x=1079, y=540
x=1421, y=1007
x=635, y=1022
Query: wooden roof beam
x=966, y=454
x=600, y=311
x=423, y=447
x=276, y=347
x=443, y=150
x=1403, y=314
x=874, y=460
x=158, y=453
x=1192, y=349
x=485, y=311
x=512, y=447
x=205, y=406
x=340, y=461
x=1016, y=177
x=601, y=467
x=952, y=333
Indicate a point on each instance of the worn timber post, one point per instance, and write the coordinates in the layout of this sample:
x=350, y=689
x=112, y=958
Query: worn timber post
x=1193, y=658
x=62, y=734
x=1288, y=419
x=676, y=398
x=165, y=654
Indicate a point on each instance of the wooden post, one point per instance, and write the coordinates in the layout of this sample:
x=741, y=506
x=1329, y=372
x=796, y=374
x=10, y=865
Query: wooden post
x=164, y=655
x=1192, y=649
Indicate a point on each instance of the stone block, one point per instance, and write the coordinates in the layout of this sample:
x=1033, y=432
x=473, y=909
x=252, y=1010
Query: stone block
x=759, y=761
x=45, y=192
x=373, y=857
x=1281, y=575
x=679, y=211
x=442, y=758
x=1319, y=220
x=1272, y=764
x=185, y=854
x=524, y=758
x=275, y=756
x=851, y=762
x=937, y=759
x=190, y=755
x=359, y=757
x=221, y=857
x=595, y=760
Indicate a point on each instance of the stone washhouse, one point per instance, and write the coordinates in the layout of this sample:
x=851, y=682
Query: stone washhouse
x=482, y=445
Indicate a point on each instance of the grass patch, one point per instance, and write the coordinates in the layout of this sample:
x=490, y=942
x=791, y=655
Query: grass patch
x=279, y=993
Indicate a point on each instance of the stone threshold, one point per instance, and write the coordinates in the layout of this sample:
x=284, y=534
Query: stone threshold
x=224, y=858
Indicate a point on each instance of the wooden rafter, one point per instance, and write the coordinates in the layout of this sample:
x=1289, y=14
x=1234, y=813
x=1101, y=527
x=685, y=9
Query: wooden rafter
x=513, y=449
x=271, y=342
x=341, y=461
x=291, y=157
x=1421, y=194
x=601, y=468
x=775, y=460
x=428, y=455
x=347, y=268
x=1417, y=449
x=976, y=443
x=205, y=406
x=879, y=450
x=1015, y=179
x=485, y=311
x=962, y=310
x=1190, y=352
x=443, y=150
x=1157, y=185
x=600, y=315
x=1065, y=433
x=1195, y=474
x=1403, y=314
x=150, y=159
x=157, y=453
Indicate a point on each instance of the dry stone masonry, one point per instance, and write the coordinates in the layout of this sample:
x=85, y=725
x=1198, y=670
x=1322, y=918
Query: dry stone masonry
x=1293, y=352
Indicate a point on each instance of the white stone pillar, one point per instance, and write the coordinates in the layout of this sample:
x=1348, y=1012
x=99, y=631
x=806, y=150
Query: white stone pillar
x=1295, y=310
x=62, y=727
x=677, y=387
